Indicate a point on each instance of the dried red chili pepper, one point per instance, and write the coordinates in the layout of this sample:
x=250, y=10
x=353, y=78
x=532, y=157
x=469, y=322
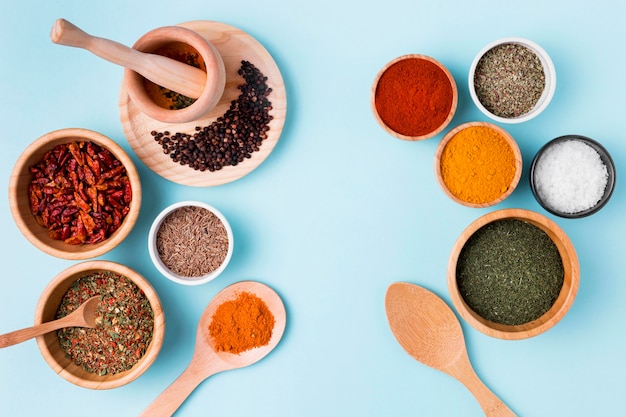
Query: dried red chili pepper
x=81, y=192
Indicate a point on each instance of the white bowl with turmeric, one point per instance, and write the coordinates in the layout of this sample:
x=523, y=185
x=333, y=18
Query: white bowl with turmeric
x=190, y=242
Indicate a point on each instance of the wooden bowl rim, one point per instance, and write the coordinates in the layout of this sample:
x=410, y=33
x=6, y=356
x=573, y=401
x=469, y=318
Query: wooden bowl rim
x=446, y=122
x=560, y=307
x=509, y=139
x=48, y=343
x=215, y=83
x=20, y=206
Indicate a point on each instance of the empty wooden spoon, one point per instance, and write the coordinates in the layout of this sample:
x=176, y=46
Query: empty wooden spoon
x=206, y=360
x=430, y=332
x=83, y=316
x=169, y=73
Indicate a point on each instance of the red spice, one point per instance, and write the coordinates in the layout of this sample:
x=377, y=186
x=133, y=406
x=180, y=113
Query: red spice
x=80, y=192
x=414, y=97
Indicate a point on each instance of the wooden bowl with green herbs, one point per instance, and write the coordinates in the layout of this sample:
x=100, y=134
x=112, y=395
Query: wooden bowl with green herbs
x=129, y=332
x=513, y=274
x=74, y=194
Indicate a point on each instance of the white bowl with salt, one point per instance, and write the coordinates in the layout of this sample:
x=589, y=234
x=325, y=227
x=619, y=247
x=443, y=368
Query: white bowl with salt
x=572, y=176
x=190, y=242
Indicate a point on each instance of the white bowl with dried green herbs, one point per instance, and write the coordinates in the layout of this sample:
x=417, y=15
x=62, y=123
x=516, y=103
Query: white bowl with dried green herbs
x=190, y=242
x=512, y=80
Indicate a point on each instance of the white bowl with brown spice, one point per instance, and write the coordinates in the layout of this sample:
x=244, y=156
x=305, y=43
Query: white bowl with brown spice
x=190, y=242
x=512, y=80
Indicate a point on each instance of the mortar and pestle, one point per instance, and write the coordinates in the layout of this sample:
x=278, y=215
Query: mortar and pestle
x=149, y=71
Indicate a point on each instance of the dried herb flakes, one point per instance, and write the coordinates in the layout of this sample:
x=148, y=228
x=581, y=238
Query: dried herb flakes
x=510, y=272
x=125, y=324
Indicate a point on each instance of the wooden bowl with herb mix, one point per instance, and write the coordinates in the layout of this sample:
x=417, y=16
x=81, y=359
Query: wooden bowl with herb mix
x=75, y=194
x=513, y=274
x=512, y=80
x=129, y=332
x=190, y=242
x=478, y=164
x=414, y=97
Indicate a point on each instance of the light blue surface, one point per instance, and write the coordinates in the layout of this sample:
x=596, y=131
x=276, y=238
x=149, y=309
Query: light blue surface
x=338, y=211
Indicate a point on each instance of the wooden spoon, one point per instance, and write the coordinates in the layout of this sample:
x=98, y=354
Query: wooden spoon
x=169, y=73
x=83, y=316
x=430, y=332
x=206, y=361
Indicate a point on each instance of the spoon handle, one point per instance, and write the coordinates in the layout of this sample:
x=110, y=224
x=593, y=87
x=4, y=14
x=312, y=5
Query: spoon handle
x=19, y=336
x=172, y=398
x=491, y=404
x=174, y=75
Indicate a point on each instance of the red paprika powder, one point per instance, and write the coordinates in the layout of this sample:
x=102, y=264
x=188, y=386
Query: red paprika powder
x=414, y=96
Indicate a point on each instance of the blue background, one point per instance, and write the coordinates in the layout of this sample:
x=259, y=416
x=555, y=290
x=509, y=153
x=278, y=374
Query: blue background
x=339, y=210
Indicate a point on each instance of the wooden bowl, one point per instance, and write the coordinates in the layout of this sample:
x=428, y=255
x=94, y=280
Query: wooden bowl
x=163, y=268
x=564, y=300
x=20, y=204
x=49, y=344
x=213, y=64
x=517, y=161
x=407, y=83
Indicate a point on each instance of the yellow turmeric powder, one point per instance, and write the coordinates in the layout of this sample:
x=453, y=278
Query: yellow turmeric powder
x=477, y=165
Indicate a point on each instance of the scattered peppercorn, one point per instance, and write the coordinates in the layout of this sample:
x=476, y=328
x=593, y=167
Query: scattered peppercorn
x=231, y=138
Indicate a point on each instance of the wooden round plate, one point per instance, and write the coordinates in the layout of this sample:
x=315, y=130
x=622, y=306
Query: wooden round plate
x=234, y=46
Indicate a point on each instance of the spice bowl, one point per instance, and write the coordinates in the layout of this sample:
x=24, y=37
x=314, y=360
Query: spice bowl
x=478, y=164
x=512, y=80
x=75, y=210
x=190, y=242
x=66, y=284
x=495, y=283
x=414, y=97
x=572, y=176
x=185, y=45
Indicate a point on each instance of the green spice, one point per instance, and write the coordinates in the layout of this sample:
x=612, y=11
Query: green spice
x=510, y=272
x=125, y=324
x=509, y=80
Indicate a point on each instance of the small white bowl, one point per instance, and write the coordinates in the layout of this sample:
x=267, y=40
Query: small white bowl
x=162, y=267
x=548, y=69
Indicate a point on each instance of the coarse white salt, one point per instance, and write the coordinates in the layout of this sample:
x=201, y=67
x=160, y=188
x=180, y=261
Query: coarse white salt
x=570, y=176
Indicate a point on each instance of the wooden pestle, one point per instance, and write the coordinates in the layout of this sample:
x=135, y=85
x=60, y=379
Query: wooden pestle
x=166, y=72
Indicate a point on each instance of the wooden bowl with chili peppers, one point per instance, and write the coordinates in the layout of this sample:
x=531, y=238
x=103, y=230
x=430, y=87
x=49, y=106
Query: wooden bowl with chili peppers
x=513, y=274
x=414, y=97
x=478, y=164
x=75, y=194
x=129, y=331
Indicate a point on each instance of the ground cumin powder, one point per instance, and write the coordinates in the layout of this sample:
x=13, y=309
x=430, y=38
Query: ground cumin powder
x=241, y=324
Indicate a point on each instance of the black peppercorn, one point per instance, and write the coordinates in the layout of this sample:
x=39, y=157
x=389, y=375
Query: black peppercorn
x=230, y=139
